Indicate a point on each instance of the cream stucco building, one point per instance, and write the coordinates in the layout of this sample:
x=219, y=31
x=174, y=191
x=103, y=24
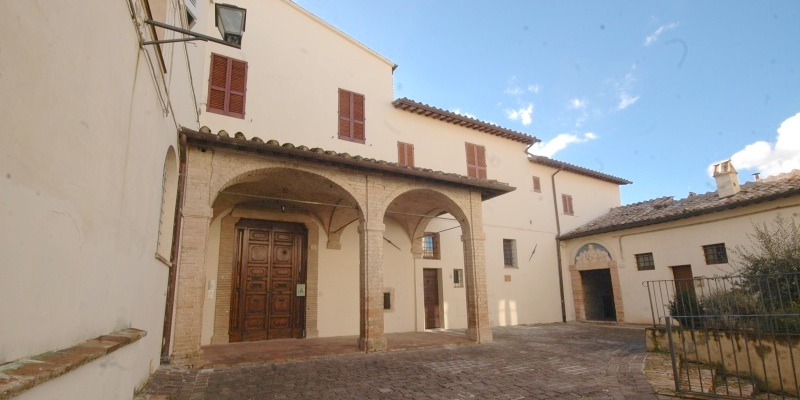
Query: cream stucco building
x=160, y=198
x=611, y=257
x=402, y=216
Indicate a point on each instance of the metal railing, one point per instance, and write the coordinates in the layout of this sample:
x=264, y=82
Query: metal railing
x=731, y=336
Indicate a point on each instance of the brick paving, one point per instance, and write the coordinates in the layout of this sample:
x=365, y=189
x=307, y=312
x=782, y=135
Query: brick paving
x=557, y=361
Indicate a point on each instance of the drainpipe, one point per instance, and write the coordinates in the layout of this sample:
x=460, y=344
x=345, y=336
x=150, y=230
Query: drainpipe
x=558, y=248
x=176, y=234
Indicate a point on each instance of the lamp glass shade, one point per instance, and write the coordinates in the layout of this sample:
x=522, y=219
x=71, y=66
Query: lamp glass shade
x=231, y=22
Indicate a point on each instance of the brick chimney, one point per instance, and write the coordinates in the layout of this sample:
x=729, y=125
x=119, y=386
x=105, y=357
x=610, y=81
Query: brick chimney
x=727, y=179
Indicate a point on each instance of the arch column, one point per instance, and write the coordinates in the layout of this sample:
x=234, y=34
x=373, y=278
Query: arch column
x=190, y=286
x=371, y=337
x=479, y=327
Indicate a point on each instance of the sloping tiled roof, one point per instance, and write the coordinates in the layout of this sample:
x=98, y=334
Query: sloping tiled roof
x=578, y=170
x=461, y=120
x=664, y=209
x=488, y=188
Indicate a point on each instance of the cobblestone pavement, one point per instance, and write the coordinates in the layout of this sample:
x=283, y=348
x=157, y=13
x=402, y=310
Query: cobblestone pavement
x=558, y=361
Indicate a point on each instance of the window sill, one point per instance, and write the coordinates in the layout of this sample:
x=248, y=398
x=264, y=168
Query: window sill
x=349, y=139
x=21, y=375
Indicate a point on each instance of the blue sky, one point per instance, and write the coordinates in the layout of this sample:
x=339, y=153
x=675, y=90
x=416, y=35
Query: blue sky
x=652, y=91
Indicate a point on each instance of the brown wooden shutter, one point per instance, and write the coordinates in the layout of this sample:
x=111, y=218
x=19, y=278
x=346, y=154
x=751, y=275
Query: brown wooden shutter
x=472, y=171
x=344, y=114
x=351, y=116
x=566, y=201
x=217, y=85
x=237, y=88
x=358, y=118
x=405, y=154
x=476, y=161
x=480, y=155
x=227, y=86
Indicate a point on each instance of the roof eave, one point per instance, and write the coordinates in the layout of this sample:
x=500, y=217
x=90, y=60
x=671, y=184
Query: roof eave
x=639, y=224
x=488, y=188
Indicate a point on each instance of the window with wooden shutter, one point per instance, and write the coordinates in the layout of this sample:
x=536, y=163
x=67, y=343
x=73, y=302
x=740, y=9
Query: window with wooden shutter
x=537, y=185
x=227, y=85
x=405, y=154
x=476, y=161
x=567, y=204
x=351, y=116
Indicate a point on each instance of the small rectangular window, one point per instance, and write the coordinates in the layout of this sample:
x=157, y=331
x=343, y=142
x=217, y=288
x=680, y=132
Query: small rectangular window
x=476, y=161
x=387, y=300
x=510, y=253
x=715, y=253
x=567, y=204
x=537, y=186
x=458, y=278
x=351, y=116
x=430, y=246
x=644, y=262
x=405, y=154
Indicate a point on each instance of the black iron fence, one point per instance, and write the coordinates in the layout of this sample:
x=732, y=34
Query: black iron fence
x=731, y=336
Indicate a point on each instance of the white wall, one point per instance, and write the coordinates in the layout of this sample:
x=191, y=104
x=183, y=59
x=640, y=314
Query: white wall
x=82, y=165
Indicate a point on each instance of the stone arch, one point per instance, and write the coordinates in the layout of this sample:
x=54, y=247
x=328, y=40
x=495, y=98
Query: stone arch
x=465, y=207
x=333, y=201
x=237, y=171
x=444, y=203
x=596, y=285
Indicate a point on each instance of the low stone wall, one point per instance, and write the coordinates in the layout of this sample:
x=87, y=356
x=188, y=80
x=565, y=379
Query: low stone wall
x=774, y=362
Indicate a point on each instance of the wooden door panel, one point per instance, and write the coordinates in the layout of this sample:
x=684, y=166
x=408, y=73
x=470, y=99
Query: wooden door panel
x=430, y=285
x=270, y=266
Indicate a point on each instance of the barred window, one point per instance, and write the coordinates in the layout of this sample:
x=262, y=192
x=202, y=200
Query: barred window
x=510, y=253
x=431, y=250
x=715, y=253
x=458, y=278
x=644, y=262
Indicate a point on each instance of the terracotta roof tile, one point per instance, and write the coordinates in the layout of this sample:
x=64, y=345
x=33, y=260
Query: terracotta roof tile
x=665, y=209
x=489, y=188
x=578, y=170
x=461, y=120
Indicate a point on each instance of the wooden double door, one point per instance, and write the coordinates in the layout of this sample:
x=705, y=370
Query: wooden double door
x=268, y=281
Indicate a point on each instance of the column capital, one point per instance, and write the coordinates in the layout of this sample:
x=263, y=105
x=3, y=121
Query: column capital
x=371, y=227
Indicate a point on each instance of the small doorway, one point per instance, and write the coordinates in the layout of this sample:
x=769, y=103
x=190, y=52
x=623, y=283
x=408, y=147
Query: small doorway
x=598, y=295
x=269, y=268
x=430, y=284
x=684, y=280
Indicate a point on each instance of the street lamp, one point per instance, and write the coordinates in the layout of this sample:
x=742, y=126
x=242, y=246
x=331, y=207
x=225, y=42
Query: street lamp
x=229, y=19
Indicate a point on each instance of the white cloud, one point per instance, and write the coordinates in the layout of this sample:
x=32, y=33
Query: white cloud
x=559, y=143
x=661, y=29
x=626, y=100
x=521, y=114
x=534, y=89
x=771, y=159
x=514, y=91
x=577, y=104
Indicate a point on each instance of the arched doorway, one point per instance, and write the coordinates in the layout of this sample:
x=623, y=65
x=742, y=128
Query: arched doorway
x=596, y=289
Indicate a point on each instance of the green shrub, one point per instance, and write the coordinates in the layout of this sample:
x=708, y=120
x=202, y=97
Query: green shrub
x=685, y=308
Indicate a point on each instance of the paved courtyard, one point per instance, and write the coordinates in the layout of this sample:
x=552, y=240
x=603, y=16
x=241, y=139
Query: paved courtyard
x=557, y=361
